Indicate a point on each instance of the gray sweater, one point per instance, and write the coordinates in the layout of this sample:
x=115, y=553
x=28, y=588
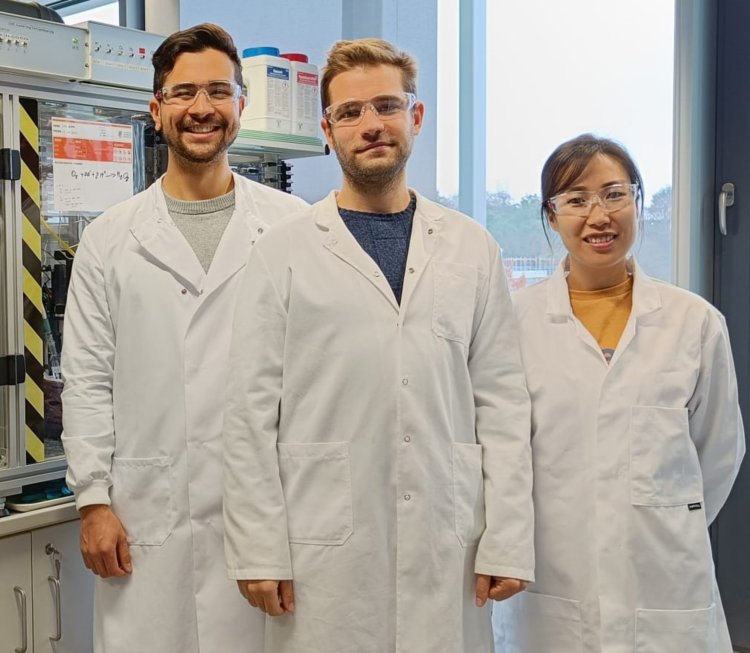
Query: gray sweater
x=202, y=223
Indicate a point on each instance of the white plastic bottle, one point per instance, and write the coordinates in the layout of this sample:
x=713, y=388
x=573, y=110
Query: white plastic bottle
x=267, y=77
x=305, y=102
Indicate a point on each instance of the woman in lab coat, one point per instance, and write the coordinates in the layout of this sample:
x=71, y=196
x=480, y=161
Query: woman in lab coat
x=636, y=432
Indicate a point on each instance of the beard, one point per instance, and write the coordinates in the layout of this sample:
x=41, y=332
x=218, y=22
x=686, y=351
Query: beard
x=204, y=153
x=376, y=174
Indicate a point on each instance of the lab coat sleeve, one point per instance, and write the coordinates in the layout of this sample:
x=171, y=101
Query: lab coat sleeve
x=503, y=428
x=715, y=419
x=87, y=368
x=256, y=540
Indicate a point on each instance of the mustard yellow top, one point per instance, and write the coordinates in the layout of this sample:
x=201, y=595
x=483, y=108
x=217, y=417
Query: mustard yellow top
x=604, y=313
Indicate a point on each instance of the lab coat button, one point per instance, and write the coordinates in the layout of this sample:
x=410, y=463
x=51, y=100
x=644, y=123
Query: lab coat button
x=407, y=438
x=405, y=381
x=411, y=270
x=407, y=497
x=184, y=291
x=376, y=273
x=260, y=230
x=429, y=231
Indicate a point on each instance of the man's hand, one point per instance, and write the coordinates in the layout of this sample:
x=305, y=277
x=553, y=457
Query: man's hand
x=104, y=543
x=497, y=588
x=274, y=597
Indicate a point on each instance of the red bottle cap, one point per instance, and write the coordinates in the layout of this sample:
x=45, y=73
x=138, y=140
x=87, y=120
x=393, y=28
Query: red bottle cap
x=295, y=56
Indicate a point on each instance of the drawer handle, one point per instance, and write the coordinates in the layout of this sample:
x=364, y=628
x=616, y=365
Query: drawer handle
x=58, y=614
x=24, y=643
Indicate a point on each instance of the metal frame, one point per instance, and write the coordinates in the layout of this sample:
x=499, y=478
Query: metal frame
x=472, y=109
x=65, y=7
x=694, y=145
x=10, y=202
x=45, y=88
x=14, y=285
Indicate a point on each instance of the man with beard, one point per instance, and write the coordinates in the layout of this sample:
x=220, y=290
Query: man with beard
x=145, y=360
x=377, y=460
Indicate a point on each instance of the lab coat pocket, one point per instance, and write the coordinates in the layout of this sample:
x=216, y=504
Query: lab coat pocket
x=664, y=465
x=538, y=623
x=675, y=631
x=317, y=484
x=468, y=492
x=453, y=305
x=142, y=498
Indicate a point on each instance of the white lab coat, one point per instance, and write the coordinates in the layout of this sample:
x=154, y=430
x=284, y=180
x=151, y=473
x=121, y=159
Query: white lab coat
x=357, y=435
x=622, y=452
x=146, y=343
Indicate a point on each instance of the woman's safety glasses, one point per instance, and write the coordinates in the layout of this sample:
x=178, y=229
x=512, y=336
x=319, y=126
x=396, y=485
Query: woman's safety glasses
x=580, y=202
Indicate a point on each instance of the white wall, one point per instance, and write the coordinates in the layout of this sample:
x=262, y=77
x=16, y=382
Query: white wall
x=311, y=27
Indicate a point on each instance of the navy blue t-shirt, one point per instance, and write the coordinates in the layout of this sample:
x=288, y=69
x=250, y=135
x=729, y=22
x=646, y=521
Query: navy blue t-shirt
x=385, y=237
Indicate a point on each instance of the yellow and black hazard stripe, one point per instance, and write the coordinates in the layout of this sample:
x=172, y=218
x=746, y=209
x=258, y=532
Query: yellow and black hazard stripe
x=33, y=309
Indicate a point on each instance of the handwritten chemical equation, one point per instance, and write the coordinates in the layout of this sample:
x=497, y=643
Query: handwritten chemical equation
x=117, y=175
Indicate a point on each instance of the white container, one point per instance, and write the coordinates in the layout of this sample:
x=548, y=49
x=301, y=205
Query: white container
x=267, y=77
x=305, y=95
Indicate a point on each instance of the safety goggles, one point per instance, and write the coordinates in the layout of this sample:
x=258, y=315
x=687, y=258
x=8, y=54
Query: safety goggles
x=580, y=203
x=217, y=92
x=349, y=113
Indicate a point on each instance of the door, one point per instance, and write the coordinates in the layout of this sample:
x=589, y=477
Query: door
x=63, y=591
x=15, y=594
x=731, y=533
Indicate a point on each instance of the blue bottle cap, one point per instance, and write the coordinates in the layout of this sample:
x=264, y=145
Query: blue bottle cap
x=254, y=52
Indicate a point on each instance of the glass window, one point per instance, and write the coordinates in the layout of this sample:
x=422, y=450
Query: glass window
x=556, y=70
x=107, y=13
x=447, y=103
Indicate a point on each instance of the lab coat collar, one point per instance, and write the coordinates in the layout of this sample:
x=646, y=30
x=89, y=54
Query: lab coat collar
x=425, y=234
x=159, y=236
x=243, y=230
x=646, y=296
x=337, y=238
x=327, y=211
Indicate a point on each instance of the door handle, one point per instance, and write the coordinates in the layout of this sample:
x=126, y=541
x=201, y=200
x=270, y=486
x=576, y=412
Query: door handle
x=726, y=198
x=58, y=608
x=24, y=642
x=51, y=551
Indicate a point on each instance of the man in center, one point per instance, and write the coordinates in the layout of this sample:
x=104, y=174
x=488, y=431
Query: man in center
x=377, y=486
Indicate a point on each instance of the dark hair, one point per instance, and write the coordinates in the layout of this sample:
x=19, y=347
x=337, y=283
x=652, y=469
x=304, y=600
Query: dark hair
x=569, y=160
x=366, y=53
x=195, y=39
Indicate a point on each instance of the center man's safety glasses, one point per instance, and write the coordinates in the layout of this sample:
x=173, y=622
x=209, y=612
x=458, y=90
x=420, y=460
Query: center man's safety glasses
x=349, y=113
x=217, y=92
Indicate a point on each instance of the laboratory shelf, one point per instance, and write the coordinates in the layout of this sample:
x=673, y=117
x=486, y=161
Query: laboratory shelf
x=287, y=146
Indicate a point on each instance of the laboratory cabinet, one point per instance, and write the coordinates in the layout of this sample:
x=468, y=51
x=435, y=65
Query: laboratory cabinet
x=15, y=594
x=46, y=593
